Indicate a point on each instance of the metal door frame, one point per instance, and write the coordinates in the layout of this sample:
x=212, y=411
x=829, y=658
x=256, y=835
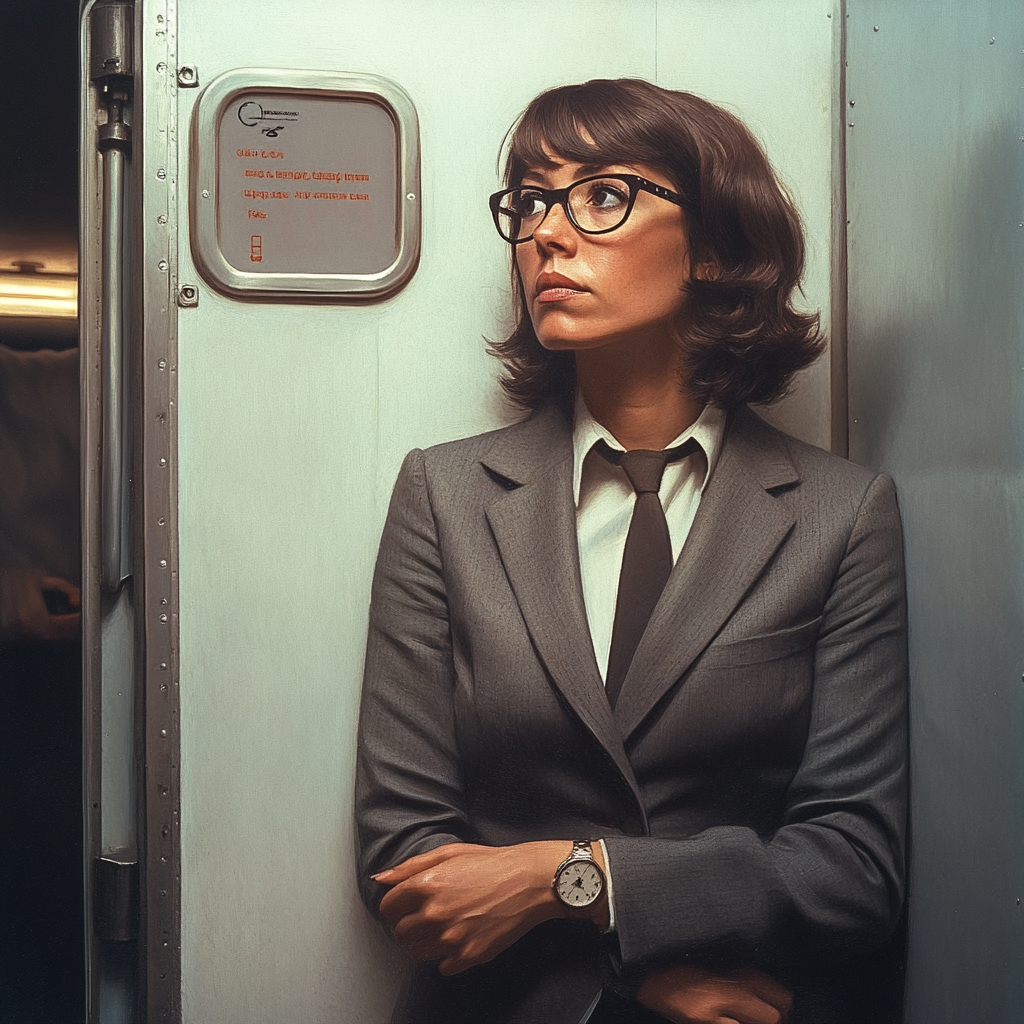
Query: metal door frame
x=152, y=342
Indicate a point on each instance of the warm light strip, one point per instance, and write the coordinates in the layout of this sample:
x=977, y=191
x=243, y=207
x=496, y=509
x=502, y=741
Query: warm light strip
x=42, y=295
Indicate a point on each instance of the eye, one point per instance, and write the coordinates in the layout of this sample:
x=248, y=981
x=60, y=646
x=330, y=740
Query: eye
x=606, y=195
x=526, y=203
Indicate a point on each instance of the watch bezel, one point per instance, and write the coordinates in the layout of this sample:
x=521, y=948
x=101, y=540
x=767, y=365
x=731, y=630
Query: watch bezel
x=582, y=851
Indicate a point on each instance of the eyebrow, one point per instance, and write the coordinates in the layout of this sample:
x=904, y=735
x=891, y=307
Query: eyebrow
x=584, y=170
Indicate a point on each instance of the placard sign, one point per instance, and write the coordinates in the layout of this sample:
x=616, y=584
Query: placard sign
x=312, y=191
x=307, y=185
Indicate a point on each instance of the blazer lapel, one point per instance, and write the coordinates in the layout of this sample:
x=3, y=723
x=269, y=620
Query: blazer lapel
x=534, y=527
x=738, y=527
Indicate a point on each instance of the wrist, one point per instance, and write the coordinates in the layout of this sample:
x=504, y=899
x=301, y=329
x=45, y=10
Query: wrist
x=541, y=861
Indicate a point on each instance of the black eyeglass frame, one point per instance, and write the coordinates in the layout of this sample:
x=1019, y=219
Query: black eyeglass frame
x=554, y=196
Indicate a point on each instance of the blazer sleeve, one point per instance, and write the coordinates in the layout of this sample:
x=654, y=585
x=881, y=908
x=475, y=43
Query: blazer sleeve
x=408, y=795
x=832, y=875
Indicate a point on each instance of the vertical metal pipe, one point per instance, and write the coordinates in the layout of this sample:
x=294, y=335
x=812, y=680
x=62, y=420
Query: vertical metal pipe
x=111, y=67
x=114, y=504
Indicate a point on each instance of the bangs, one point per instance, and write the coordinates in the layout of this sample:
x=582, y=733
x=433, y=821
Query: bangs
x=559, y=122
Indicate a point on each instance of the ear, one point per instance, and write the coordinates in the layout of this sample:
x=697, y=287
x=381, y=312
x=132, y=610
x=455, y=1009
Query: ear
x=706, y=271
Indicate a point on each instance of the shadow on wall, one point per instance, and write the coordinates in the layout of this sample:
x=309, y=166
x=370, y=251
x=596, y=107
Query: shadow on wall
x=940, y=406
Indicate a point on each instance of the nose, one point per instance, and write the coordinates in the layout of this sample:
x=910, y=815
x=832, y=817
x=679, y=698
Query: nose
x=555, y=230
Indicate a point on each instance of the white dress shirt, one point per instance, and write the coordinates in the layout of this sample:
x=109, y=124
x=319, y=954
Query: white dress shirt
x=604, y=506
x=604, y=500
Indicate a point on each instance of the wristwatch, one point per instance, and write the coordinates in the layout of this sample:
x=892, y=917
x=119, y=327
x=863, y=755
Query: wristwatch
x=578, y=880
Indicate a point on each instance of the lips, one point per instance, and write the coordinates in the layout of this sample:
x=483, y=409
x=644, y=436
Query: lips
x=552, y=287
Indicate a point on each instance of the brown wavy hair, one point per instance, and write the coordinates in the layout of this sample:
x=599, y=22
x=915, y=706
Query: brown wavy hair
x=743, y=339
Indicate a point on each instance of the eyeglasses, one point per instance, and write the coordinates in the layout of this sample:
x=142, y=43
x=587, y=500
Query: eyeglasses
x=594, y=205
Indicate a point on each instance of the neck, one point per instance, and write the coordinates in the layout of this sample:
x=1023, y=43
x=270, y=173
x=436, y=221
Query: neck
x=637, y=395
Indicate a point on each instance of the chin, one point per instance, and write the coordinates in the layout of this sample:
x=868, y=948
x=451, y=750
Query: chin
x=561, y=341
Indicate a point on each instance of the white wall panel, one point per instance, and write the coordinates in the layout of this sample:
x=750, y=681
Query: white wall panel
x=293, y=420
x=773, y=63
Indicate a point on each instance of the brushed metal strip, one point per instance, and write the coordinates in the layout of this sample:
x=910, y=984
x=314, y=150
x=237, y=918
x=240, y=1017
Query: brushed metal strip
x=157, y=522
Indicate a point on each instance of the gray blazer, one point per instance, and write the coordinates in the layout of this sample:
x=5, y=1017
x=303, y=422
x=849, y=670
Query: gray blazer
x=750, y=783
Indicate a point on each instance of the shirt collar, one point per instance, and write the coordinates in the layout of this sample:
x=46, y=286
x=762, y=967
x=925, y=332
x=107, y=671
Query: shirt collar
x=707, y=430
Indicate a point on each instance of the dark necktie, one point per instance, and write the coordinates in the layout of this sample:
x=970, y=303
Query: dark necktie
x=647, y=558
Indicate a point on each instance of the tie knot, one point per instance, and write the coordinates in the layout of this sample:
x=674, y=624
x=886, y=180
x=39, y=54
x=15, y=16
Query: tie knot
x=644, y=467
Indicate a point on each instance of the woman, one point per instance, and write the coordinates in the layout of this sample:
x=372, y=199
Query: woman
x=632, y=741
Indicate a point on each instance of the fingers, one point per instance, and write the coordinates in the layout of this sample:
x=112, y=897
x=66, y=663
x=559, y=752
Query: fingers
x=692, y=995
x=404, y=899
x=746, y=1008
x=74, y=595
x=421, y=862
x=766, y=987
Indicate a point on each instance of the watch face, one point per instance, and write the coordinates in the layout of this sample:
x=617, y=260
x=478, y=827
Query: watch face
x=579, y=883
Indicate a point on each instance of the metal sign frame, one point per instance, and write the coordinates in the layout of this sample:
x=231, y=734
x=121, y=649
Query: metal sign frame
x=203, y=195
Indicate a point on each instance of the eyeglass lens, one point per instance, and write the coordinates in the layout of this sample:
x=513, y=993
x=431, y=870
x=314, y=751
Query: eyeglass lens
x=598, y=205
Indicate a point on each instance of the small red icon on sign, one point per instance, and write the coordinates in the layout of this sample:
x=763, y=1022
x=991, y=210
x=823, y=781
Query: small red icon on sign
x=256, y=248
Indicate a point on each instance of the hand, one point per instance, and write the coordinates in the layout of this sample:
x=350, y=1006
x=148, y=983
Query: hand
x=691, y=995
x=463, y=904
x=23, y=611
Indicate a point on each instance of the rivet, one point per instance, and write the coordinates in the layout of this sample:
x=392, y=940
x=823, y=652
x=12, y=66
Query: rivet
x=162, y=364
x=853, y=103
x=163, y=732
x=206, y=193
x=161, y=68
x=876, y=28
x=851, y=124
x=162, y=219
x=161, y=173
x=163, y=600
x=162, y=265
x=163, y=461
x=163, y=687
x=161, y=521
x=163, y=563
x=992, y=40
x=410, y=196
x=163, y=618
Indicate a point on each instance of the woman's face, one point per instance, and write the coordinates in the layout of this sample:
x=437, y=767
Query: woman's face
x=590, y=291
